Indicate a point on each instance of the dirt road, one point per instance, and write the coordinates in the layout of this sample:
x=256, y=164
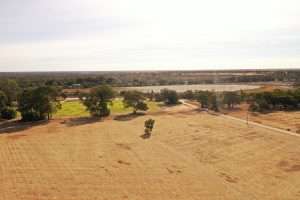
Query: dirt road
x=250, y=123
x=190, y=106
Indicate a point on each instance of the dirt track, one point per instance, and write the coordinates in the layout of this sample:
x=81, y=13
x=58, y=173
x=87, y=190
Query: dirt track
x=190, y=156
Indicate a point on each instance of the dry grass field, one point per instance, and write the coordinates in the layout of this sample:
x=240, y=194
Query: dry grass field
x=190, y=155
x=284, y=120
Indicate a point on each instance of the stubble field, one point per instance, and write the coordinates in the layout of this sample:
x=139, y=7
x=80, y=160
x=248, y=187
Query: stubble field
x=191, y=155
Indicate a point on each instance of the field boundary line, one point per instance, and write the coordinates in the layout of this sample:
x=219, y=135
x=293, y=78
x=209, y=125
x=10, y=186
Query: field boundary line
x=260, y=125
x=250, y=122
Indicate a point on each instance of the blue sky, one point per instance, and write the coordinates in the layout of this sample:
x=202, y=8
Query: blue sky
x=62, y=35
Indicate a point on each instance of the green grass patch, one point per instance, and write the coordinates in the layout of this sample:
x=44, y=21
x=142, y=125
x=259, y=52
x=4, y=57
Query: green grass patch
x=118, y=107
x=77, y=109
x=72, y=109
x=153, y=106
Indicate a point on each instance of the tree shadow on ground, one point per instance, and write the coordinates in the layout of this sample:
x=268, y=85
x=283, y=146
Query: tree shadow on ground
x=166, y=105
x=17, y=126
x=128, y=117
x=81, y=121
x=146, y=136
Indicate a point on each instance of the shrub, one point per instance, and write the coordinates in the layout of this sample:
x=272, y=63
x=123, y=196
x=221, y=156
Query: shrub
x=170, y=97
x=31, y=116
x=189, y=94
x=149, y=125
x=8, y=113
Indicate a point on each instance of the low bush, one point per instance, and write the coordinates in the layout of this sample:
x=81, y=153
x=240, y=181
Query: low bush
x=8, y=113
x=149, y=125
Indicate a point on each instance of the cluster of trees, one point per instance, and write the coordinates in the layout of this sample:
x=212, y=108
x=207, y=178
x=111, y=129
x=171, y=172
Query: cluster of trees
x=98, y=99
x=6, y=111
x=136, y=100
x=259, y=102
x=213, y=100
x=276, y=100
x=38, y=103
x=169, y=97
x=8, y=95
x=207, y=99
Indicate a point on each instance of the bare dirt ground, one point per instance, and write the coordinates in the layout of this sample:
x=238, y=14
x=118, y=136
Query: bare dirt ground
x=284, y=120
x=191, y=155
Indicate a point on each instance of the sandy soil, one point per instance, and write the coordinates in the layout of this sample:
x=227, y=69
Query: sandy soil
x=284, y=120
x=190, y=155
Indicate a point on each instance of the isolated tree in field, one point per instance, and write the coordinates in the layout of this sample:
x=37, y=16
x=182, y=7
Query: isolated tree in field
x=97, y=100
x=170, y=97
x=231, y=99
x=38, y=103
x=135, y=99
x=149, y=125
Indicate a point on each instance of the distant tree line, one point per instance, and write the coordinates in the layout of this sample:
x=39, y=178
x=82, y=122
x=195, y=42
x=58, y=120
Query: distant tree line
x=275, y=100
x=40, y=102
x=259, y=101
x=121, y=79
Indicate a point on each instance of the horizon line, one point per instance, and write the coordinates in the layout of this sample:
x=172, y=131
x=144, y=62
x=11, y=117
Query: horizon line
x=157, y=70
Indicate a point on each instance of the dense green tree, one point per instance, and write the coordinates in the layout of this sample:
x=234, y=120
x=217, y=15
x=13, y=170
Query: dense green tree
x=97, y=100
x=170, y=97
x=135, y=100
x=189, y=94
x=297, y=95
x=231, y=99
x=203, y=98
x=11, y=90
x=276, y=100
x=38, y=103
x=6, y=112
x=3, y=100
x=214, y=102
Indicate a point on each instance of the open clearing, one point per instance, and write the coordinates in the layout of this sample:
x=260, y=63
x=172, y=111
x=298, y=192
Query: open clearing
x=77, y=109
x=190, y=155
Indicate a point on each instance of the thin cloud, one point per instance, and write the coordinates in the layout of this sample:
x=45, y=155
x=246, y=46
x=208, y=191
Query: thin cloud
x=140, y=34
